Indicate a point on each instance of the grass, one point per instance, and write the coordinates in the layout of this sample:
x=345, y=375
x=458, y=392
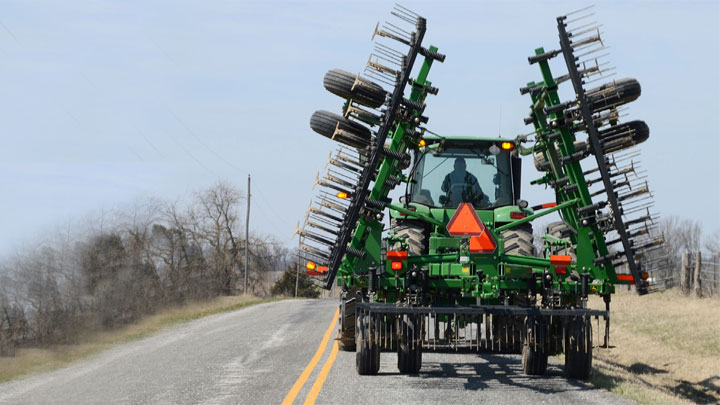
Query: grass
x=665, y=348
x=34, y=360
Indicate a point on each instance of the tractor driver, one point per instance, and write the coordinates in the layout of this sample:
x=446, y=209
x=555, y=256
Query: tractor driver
x=461, y=186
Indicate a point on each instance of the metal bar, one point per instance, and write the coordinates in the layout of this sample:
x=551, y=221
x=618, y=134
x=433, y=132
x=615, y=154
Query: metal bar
x=479, y=309
x=600, y=159
x=538, y=215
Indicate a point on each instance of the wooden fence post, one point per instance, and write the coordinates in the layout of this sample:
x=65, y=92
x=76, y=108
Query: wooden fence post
x=697, y=281
x=683, y=273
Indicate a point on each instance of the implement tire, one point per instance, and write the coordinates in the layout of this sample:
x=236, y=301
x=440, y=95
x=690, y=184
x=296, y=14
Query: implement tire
x=367, y=355
x=324, y=123
x=612, y=94
x=343, y=84
x=346, y=323
x=578, y=349
x=535, y=350
x=415, y=232
x=409, y=344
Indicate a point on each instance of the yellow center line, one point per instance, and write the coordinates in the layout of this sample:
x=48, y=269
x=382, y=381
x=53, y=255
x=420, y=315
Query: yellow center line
x=315, y=390
x=295, y=390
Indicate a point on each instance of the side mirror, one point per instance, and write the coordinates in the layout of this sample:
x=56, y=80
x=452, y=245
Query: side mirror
x=443, y=200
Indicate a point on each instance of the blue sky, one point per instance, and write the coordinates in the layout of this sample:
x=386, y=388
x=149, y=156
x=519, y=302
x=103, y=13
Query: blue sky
x=103, y=103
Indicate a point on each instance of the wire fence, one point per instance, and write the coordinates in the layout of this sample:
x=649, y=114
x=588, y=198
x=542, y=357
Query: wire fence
x=700, y=273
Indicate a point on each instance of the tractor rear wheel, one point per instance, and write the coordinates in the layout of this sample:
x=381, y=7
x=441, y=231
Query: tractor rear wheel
x=409, y=344
x=519, y=241
x=367, y=353
x=578, y=348
x=346, y=322
x=347, y=85
x=560, y=230
x=415, y=234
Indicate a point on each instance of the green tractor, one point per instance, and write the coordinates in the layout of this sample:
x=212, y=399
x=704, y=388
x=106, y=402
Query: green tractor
x=458, y=267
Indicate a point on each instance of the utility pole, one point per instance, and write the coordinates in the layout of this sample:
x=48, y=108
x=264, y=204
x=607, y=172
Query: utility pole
x=297, y=269
x=247, y=235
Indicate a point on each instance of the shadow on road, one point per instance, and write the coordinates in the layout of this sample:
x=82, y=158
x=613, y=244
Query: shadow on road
x=494, y=371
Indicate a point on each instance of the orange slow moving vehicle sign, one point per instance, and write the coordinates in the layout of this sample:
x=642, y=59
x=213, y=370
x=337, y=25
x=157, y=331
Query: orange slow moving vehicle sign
x=466, y=222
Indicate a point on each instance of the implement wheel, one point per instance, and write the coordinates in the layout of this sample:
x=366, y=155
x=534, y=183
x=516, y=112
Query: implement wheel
x=355, y=134
x=534, y=351
x=367, y=353
x=348, y=85
x=409, y=344
x=578, y=348
x=346, y=323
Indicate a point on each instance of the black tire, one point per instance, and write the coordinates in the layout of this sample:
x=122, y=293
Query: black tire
x=535, y=350
x=560, y=230
x=615, y=139
x=615, y=93
x=342, y=83
x=367, y=355
x=543, y=165
x=325, y=122
x=519, y=241
x=415, y=232
x=578, y=349
x=623, y=136
x=346, y=323
x=534, y=362
x=409, y=344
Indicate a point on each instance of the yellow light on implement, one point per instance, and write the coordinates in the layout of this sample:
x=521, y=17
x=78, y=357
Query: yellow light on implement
x=310, y=266
x=507, y=146
x=342, y=195
x=422, y=143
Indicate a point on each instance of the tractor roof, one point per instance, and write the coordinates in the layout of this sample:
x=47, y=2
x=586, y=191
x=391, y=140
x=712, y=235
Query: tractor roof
x=429, y=137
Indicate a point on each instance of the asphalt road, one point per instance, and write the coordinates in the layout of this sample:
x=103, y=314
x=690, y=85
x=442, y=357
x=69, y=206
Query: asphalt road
x=269, y=353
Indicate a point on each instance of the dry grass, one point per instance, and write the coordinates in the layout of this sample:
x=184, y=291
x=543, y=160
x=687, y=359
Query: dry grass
x=32, y=360
x=665, y=348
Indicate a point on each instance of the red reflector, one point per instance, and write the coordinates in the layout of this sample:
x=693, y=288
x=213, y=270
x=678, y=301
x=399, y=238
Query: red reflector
x=465, y=222
x=626, y=277
x=396, y=265
x=548, y=205
x=397, y=255
x=517, y=215
x=560, y=270
x=482, y=244
x=561, y=260
x=313, y=273
x=644, y=275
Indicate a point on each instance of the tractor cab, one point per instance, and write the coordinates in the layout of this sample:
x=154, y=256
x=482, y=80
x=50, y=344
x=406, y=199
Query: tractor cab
x=451, y=171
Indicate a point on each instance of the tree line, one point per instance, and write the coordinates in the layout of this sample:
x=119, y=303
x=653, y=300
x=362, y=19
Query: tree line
x=131, y=262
